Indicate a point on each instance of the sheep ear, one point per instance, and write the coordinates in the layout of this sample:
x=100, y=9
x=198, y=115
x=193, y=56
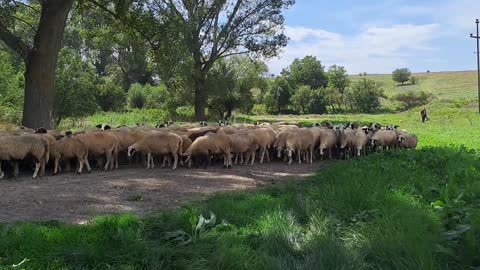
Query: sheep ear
x=107, y=127
x=99, y=126
x=40, y=131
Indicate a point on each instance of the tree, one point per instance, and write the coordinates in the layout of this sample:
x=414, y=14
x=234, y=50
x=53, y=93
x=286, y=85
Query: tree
x=40, y=56
x=401, y=75
x=306, y=71
x=365, y=95
x=232, y=83
x=338, y=82
x=211, y=30
x=74, y=87
x=318, y=101
x=301, y=99
x=278, y=97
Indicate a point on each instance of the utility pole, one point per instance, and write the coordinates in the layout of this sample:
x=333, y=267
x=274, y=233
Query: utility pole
x=477, y=37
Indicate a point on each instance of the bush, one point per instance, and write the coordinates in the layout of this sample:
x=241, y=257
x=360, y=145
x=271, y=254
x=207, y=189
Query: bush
x=412, y=99
x=318, y=102
x=301, y=99
x=109, y=96
x=413, y=80
x=147, y=96
x=185, y=113
x=259, y=109
x=137, y=96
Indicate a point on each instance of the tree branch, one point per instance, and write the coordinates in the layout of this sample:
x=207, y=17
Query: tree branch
x=15, y=43
x=27, y=6
x=128, y=23
x=23, y=21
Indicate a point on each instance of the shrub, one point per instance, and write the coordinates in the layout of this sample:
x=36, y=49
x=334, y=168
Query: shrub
x=185, y=113
x=259, y=109
x=413, y=80
x=318, y=102
x=301, y=99
x=137, y=96
x=110, y=96
x=412, y=99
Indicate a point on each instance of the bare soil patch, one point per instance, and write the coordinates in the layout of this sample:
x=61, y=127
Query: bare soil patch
x=74, y=198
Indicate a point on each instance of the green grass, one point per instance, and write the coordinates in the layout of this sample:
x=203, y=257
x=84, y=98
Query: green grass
x=371, y=213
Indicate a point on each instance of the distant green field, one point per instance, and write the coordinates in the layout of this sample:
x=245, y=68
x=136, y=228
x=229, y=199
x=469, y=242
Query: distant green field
x=444, y=85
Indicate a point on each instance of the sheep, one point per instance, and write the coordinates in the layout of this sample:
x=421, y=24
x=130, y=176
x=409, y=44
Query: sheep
x=346, y=139
x=300, y=140
x=265, y=138
x=384, y=138
x=198, y=132
x=69, y=148
x=361, y=142
x=407, y=141
x=242, y=143
x=328, y=141
x=210, y=144
x=160, y=143
x=18, y=147
x=100, y=143
x=125, y=138
x=280, y=142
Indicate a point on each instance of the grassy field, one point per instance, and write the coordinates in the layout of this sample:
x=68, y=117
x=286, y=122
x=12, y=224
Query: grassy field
x=396, y=210
x=444, y=85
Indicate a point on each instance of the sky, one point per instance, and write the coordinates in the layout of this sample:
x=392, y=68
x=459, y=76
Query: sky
x=378, y=36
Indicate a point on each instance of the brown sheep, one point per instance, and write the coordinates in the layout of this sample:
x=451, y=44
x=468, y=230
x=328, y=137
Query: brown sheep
x=18, y=147
x=384, y=138
x=407, y=141
x=100, y=143
x=244, y=143
x=280, y=143
x=69, y=148
x=265, y=138
x=161, y=143
x=210, y=144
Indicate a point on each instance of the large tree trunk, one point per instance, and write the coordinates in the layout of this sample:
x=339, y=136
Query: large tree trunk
x=200, y=94
x=41, y=63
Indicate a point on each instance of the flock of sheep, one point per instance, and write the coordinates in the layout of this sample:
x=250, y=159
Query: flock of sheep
x=244, y=143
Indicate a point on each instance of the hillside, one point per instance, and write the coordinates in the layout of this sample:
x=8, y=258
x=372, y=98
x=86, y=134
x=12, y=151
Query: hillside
x=444, y=85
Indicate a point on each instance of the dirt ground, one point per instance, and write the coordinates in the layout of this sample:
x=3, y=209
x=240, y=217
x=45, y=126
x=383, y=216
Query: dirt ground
x=74, y=198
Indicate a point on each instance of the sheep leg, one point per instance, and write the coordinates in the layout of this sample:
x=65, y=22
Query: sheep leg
x=15, y=169
x=311, y=154
x=37, y=168
x=262, y=154
x=80, y=165
x=268, y=154
x=109, y=159
x=164, y=160
x=290, y=159
x=236, y=159
x=252, y=156
x=241, y=159
x=55, y=169
x=299, y=157
x=175, y=160
x=1, y=172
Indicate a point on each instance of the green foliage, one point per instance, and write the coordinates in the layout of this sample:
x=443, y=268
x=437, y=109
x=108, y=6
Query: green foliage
x=365, y=95
x=306, y=71
x=11, y=94
x=338, y=82
x=401, y=75
x=185, y=113
x=278, y=97
x=301, y=99
x=318, y=101
x=413, y=80
x=74, y=87
x=232, y=83
x=110, y=96
x=412, y=99
x=147, y=96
